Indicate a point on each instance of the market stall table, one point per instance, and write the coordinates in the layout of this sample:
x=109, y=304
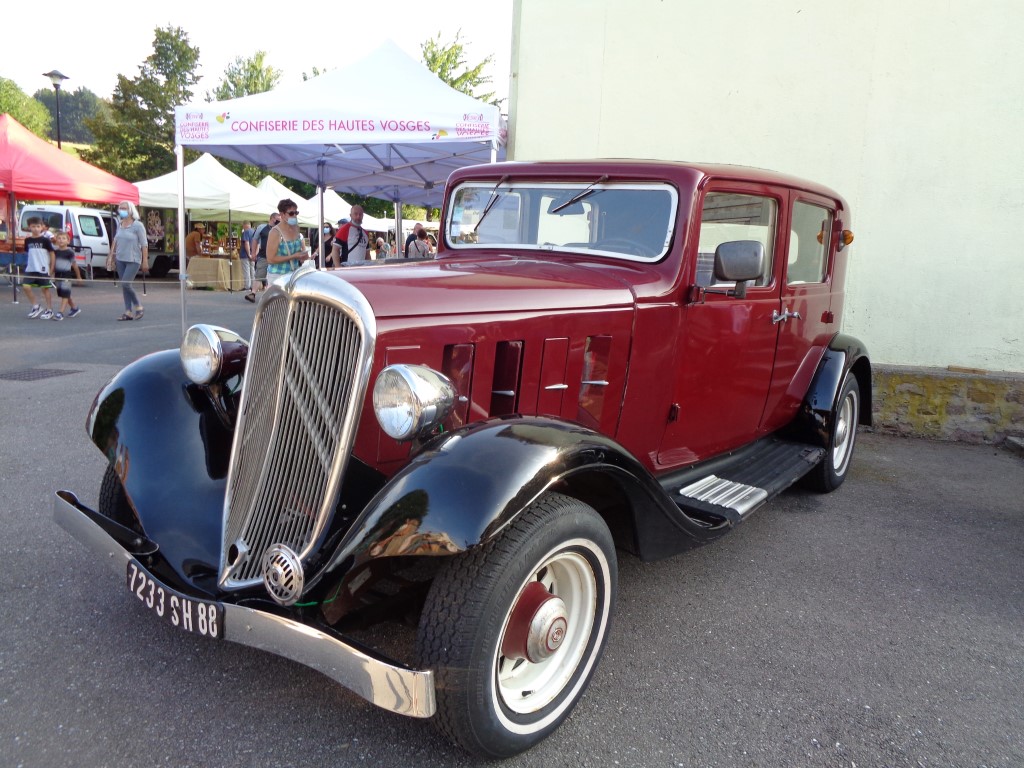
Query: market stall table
x=221, y=274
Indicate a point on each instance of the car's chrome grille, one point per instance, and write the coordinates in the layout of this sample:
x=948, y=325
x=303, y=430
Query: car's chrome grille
x=306, y=378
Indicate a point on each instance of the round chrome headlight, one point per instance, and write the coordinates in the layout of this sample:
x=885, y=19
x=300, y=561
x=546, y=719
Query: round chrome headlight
x=410, y=400
x=208, y=352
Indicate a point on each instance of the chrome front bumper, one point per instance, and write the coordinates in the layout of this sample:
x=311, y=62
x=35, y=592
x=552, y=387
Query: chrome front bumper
x=390, y=686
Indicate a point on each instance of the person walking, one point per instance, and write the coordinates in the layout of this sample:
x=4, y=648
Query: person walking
x=129, y=254
x=38, y=251
x=64, y=269
x=420, y=247
x=247, y=255
x=259, y=244
x=286, y=249
x=412, y=238
x=351, y=243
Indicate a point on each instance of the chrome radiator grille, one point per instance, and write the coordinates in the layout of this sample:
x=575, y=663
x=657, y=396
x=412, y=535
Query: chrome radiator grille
x=305, y=381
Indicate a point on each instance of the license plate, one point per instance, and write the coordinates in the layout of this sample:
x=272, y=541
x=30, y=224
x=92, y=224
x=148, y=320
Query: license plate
x=201, y=617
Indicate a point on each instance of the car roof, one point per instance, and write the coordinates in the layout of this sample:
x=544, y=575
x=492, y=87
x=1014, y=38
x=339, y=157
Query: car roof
x=694, y=174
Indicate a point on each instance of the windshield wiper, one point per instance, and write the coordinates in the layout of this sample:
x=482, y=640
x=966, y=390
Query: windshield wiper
x=490, y=201
x=579, y=196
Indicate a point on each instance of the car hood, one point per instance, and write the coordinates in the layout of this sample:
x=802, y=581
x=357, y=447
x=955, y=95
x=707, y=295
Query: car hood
x=499, y=284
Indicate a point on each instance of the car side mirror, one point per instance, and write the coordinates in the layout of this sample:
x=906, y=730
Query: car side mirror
x=739, y=261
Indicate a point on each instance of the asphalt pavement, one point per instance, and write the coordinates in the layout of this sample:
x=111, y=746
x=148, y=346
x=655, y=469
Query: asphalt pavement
x=881, y=625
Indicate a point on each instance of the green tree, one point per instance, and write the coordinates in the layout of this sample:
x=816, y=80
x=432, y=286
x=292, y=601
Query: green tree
x=245, y=76
x=76, y=107
x=136, y=140
x=23, y=108
x=448, y=62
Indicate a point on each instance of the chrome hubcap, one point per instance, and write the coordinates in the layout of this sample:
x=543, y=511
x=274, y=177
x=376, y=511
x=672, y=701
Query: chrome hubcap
x=546, y=633
x=842, y=443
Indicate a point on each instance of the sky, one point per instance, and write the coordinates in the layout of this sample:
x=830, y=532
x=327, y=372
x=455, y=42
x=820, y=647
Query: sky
x=96, y=45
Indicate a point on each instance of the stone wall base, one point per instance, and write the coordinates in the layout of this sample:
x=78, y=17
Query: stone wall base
x=971, y=406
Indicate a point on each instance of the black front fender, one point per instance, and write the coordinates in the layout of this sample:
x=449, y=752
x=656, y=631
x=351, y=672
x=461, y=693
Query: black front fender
x=465, y=487
x=171, y=449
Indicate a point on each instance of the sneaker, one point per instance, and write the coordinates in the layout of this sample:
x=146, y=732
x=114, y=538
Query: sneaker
x=46, y=315
x=75, y=312
x=36, y=310
x=57, y=316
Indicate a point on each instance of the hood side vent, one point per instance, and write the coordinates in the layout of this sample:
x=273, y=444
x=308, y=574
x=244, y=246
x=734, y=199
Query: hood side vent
x=508, y=362
x=457, y=365
x=594, y=382
x=553, y=382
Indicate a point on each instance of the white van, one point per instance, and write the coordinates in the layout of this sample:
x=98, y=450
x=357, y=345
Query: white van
x=87, y=227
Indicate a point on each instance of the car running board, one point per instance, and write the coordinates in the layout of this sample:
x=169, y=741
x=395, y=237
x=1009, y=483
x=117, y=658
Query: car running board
x=736, y=488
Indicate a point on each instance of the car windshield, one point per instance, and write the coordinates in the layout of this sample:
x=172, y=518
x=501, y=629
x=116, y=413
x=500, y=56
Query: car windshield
x=628, y=221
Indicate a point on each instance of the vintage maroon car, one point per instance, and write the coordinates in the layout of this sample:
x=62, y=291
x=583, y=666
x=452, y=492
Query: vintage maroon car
x=604, y=355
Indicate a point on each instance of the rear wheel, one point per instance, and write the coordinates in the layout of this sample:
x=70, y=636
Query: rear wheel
x=832, y=470
x=514, y=629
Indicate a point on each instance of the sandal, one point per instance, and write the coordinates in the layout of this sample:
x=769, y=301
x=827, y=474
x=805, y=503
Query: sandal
x=250, y=297
x=138, y=313
x=126, y=316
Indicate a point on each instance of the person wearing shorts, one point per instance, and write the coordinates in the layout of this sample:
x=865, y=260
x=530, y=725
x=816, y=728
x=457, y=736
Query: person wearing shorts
x=64, y=269
x=259, y=245
x=37, y=269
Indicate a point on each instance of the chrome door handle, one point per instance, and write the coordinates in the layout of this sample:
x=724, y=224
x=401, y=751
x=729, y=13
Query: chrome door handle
x=777, y=318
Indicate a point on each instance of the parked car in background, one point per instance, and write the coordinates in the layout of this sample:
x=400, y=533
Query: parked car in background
x=605, y=356
x=90, y=228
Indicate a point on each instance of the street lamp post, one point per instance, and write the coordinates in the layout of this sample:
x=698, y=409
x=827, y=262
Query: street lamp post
x=56, y=78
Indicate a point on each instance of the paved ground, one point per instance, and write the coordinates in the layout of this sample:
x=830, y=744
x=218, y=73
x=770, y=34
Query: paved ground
x=882, y=625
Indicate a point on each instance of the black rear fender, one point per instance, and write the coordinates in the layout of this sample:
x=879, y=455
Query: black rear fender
x=845, y=355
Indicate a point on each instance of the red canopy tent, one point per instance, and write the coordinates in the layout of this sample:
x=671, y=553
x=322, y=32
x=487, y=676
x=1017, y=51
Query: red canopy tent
x=33, y=169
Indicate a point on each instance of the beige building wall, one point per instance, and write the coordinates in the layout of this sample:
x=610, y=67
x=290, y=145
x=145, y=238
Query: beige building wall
x=912, y=110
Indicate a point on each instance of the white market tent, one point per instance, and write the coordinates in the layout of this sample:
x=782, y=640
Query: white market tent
x=211, y=192
x=275, y=190
x=335, y=206
x=384, y=126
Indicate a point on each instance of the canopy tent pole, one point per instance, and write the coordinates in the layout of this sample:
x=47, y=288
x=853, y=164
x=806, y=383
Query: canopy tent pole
x=321, y=261
x=399, y=237
x=179, y=158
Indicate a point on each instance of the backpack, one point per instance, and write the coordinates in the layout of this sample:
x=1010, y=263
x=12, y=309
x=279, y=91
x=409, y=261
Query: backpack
x=260, y=240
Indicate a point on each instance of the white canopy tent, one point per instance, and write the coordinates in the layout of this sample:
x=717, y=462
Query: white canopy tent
x=211, y=192
x=276, y=191
x=384, y=126
x=335, y=207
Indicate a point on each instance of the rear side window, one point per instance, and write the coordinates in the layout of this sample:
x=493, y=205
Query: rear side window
x=51, y=220
x=90, y=226
x=808, y=243
x=727, y=217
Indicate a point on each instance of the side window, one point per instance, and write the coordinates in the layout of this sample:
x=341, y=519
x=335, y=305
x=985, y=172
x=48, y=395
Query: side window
x=52, y=221
x=808, y=244
x=726, y=217
x=90, y=225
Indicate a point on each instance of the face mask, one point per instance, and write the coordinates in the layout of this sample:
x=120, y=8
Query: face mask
x=292, y=222
x=327, y=230
x=122, y=214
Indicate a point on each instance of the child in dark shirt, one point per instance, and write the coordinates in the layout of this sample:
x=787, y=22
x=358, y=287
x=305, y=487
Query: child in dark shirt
x=64, y=268
x=39, y=252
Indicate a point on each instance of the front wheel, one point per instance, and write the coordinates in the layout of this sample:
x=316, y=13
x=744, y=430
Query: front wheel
x=831, y=472
x=514, y=628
